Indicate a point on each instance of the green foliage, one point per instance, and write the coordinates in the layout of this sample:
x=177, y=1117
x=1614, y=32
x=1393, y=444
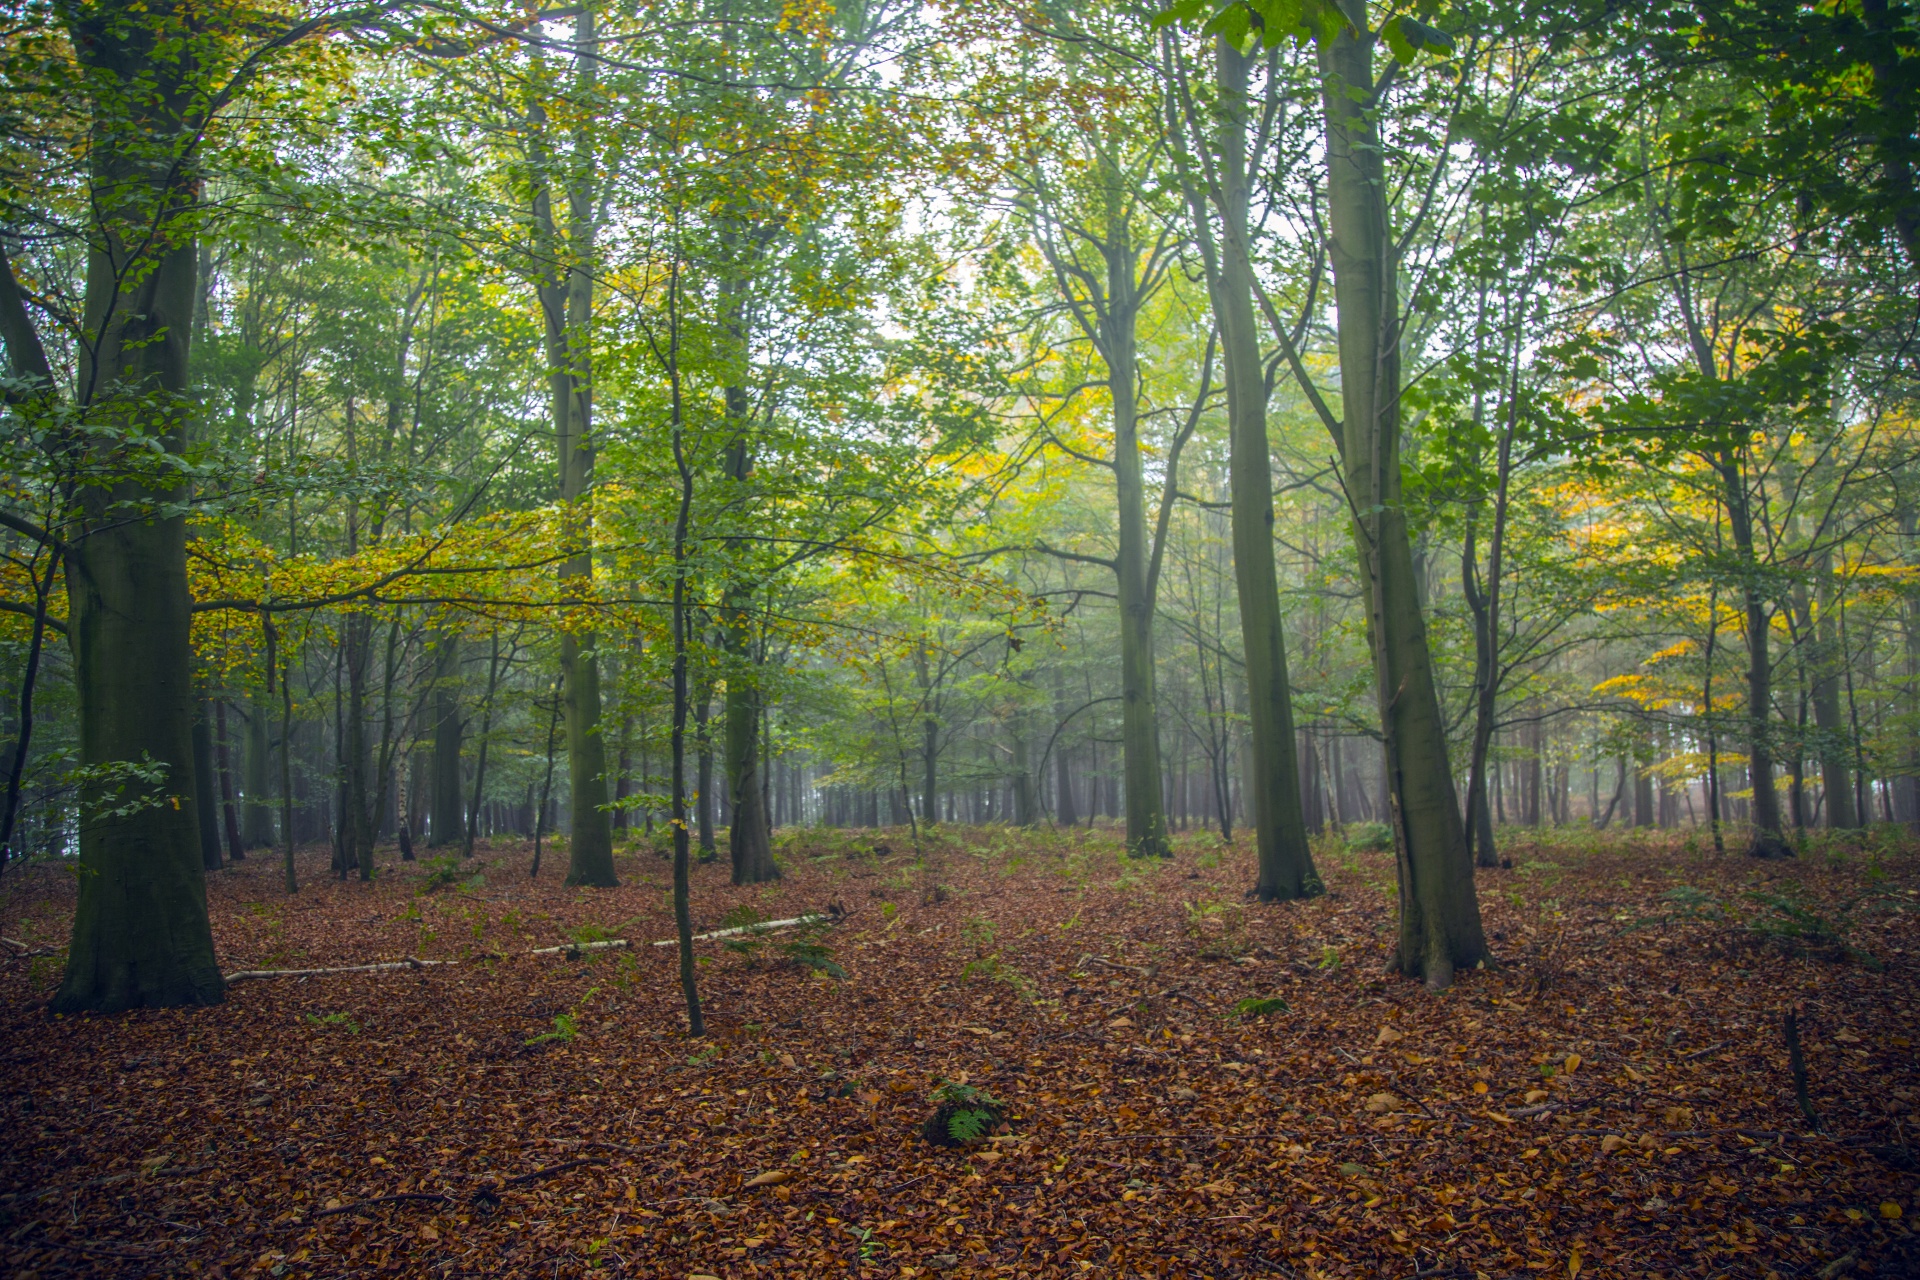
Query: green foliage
x=566, y=1026
x=963, y=1114
x=807, y=951
x=442, y=872
x=1785, y=919
x=1259, y=1007
x=1370, y=837
x=335, y=1022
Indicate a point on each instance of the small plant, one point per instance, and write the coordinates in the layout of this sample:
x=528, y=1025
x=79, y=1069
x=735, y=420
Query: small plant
x=1329, y=958
x=706, y=1054
x=888, y=911
x=963, y=1114
x=442, y=872
x=1780, y=918
x=806, y=951
x=566, y=1026
x=1370, y=837
x=332, y=1021
x=1218, y=929
x=742, y=916
x=585, y=933
x=1260, y=1006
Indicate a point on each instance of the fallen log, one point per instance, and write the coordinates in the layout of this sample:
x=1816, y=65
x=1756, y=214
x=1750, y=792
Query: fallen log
x=566, y=949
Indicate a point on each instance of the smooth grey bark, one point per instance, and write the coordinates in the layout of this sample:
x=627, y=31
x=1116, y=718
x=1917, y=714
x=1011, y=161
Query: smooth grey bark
x=1285, y=862
x=565, y=287
x=1440, y=930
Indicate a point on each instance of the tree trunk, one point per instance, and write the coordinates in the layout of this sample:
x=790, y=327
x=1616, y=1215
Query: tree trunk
x=223, y=762
x=446, y=803
x=1767, y=840
x=140, y=931
x=205, y=807
x=750, y=837
x=1439, y=913
x=256, y=816
x=566, y=301
x=703, y=767
x=1139, y=732
x=1285, y=861
x=1827, y=664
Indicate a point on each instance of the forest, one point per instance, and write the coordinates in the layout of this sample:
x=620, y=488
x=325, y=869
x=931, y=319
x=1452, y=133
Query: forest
x=959, y=637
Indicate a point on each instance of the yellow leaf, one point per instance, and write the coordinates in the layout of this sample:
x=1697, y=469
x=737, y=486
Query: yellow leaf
x=1479, y=1086
x=1573, y=1267
x=1572, y=1065
x=768, y=1179
x=1888, y=1209
x=1389, y=1036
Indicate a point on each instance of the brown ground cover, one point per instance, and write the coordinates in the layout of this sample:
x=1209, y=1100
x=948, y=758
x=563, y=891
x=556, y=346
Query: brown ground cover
x=1614, y=1099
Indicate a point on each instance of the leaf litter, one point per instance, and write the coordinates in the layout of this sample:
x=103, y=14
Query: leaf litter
x=1184, y=1082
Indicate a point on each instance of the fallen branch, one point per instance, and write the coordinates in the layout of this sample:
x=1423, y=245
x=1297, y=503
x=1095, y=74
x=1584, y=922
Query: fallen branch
x=568, y=949
x=409, y=963
x=767, y=927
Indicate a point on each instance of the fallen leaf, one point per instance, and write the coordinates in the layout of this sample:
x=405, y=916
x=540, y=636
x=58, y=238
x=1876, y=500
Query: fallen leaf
x=1120, y=1023
x=1573, y=1267
x=1380, y=1103
x=770, y=1178
x=1612, y=1143
x=1535, y=1095
x=1479, y=1086
x=1388, y=1035
x=1571, y=1065
x=1889, y=1210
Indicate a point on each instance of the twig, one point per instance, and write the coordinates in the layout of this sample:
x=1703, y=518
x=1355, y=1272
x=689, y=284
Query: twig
x=904, y=1185
x=392, y=1199
x=1797, y=1064
x=1701, y=1053
x=1835, y=1267
x=550, y=1171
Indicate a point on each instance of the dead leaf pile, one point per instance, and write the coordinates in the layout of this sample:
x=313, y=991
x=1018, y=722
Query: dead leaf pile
x=1251, y=1098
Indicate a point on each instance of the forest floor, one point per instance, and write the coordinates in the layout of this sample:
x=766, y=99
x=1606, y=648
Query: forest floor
x=1612, y=1099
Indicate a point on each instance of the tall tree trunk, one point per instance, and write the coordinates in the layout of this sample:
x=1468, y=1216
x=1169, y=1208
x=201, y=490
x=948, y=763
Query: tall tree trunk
x=703, y=766
x=1439, y=912
x=1827, y=666
x=223, y=764
x=360, y=815
x=1907, y=787
x=141, y=936
x=206, y=807
x=750, y=836
x=1139, y=730
x=1767, y=841
x=256, y=816
x=446, y=803
x=1285, y=863
x=566, y=302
